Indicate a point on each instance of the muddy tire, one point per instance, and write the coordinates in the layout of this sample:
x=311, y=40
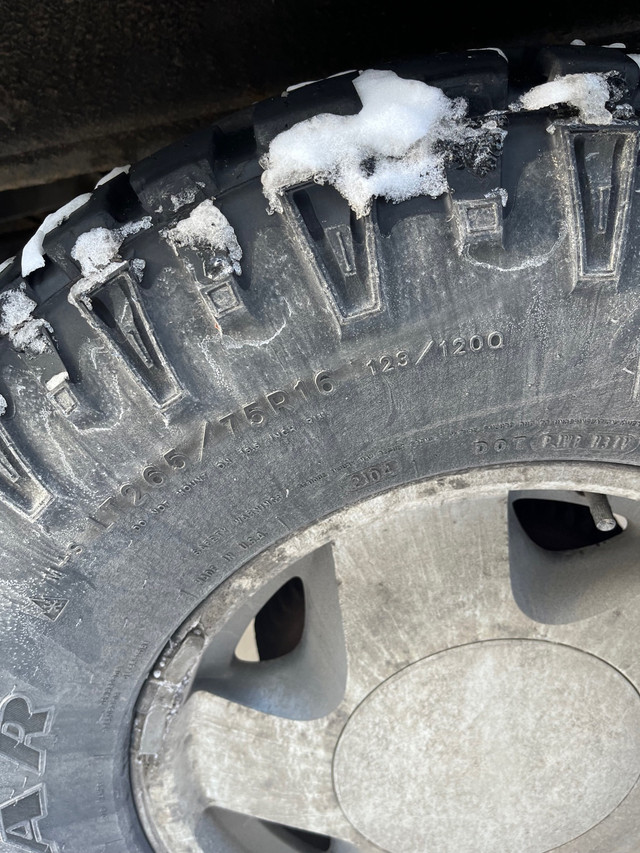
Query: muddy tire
x=170, y=420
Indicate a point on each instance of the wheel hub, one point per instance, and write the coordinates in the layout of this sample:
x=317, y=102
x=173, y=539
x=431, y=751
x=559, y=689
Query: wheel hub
x=504, y=745
x=460, y=684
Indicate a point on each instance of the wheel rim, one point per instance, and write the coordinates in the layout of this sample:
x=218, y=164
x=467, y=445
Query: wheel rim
x=421, y=606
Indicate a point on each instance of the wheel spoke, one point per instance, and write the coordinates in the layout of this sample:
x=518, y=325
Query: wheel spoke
x=588, y=597
x=422, y=580
x=233, y=757
x=308, y=681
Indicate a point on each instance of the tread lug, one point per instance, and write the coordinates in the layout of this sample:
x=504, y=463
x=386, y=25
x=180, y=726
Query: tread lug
x=20, y=489
x=335, y=95
x=223, y=297
x=52, y=373
x=114, y=308
x=480, y=76
x=342, y=249
x=218, y=285
x=478, y=221
x=557, y=60
x=176, y=176
x=599, y=176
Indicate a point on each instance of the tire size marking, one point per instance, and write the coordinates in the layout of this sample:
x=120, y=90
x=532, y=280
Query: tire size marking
x=245, y=421
x=446, y=348
x=259, y=412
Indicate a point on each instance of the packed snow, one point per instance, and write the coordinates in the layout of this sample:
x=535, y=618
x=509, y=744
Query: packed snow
x=207, y=226
x=392, y=148
x=118, y=170
x=30, y=338
x=96, y=251
x=588, y=92
x=16, y=308
x=138, y=266
x=18, y=324
x=32, y=258
x=56, y=380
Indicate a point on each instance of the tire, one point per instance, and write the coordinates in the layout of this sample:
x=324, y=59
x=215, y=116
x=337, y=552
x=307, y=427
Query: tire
x=172, y=420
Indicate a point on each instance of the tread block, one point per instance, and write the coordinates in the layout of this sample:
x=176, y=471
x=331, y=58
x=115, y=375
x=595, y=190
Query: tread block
x=52, y=373
x=235, y=149
x=557, y=60
x=335, y=95
x=479, y=221
x=217, y=283
x=178, y=175
x=110, y=205
x=20, y=489
x=222, y=297
x=64, y=399
x=113, y=307
x=599, y=168
x=479, y=76
x=343, y=249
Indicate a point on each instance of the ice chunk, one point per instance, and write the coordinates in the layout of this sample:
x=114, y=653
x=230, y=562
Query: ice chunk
x=635, y=57
x=502, y=194
x=15, y=309
x=578, y=43
x=119, y=170
x=18, y=324
x=32, y=253
x=206, y=226
x=3, y=405
x=56, y=380
x=589, y=92
x=186, y=196
x=138, y=265
x=392, y=148
x=29, y=337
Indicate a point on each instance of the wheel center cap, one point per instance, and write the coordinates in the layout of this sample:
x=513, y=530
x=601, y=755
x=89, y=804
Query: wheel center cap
x=496, y=746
